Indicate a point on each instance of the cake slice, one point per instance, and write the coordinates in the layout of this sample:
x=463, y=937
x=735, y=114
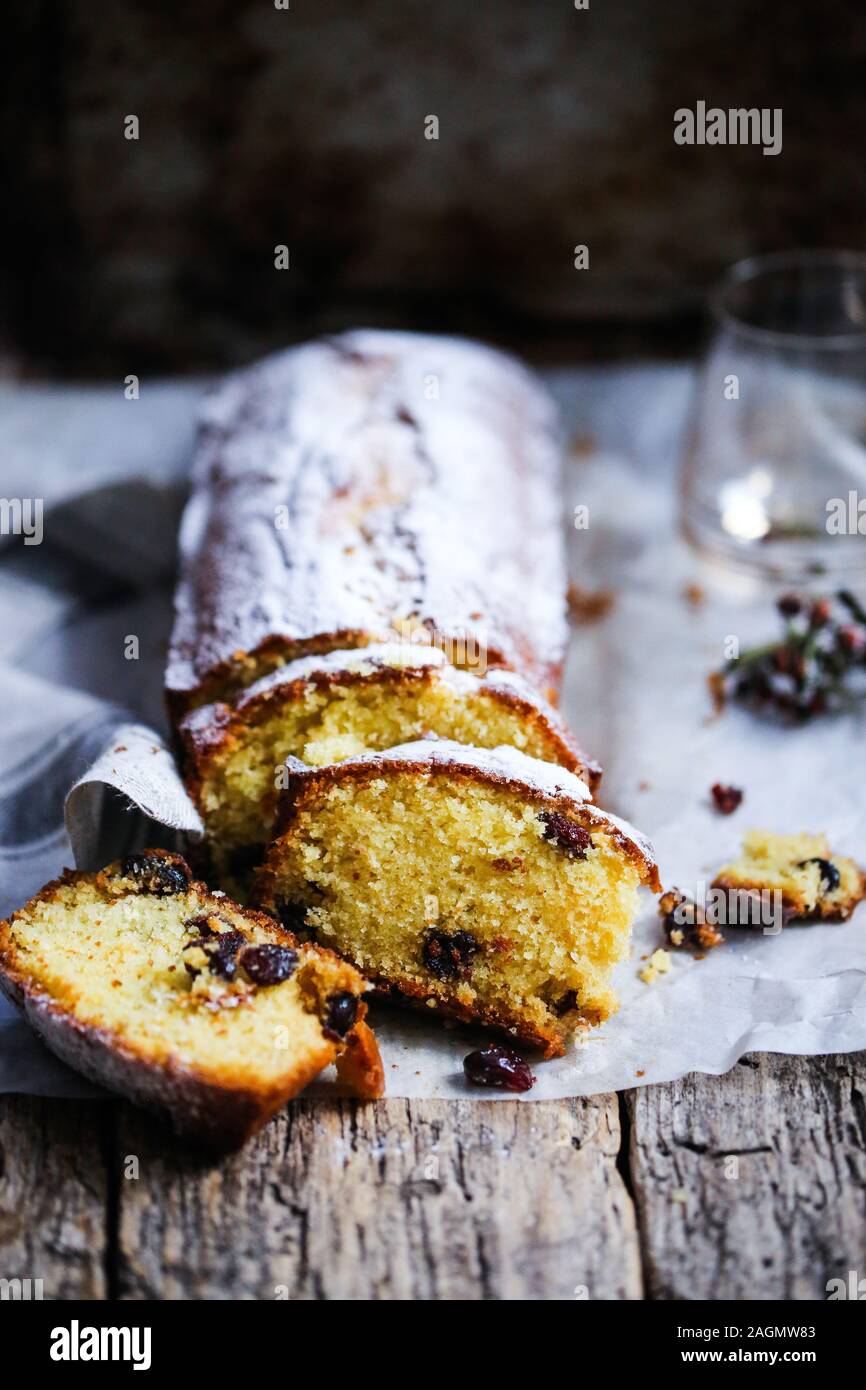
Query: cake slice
x=329, y=708
x=812, y=882
x=177, y=998
x=481, y=883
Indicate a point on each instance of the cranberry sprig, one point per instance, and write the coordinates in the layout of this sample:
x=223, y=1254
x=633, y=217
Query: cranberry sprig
x=818, y=667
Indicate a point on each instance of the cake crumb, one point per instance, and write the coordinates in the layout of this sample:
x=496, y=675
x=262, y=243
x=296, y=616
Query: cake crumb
x=685, y=926
x=588, y=605
x=659, y=964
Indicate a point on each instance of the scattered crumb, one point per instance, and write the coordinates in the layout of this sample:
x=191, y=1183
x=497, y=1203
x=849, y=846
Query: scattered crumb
x=640, y=1073
x=589, y=605
x=716, y=686
x=659, y=964
x=685, y=925
x=643, y=786
x=121, y=748
x=797, y=876
x=694, y=594
x=726, y=799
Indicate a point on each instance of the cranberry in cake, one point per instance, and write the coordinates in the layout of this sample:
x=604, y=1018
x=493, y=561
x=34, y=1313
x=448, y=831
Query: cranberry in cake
x=475, y=882
x=182, y=1001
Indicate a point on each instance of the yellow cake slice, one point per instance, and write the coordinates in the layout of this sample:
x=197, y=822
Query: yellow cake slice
x=181, y=1000
x=481, y=883
x=325, y=709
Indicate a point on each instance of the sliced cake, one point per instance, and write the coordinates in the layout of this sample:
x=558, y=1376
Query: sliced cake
x=482, y=883
x=326, y=709
x=180, y=1000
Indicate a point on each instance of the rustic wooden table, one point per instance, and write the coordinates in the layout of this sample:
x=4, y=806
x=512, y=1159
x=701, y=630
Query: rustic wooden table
x=747, y=1186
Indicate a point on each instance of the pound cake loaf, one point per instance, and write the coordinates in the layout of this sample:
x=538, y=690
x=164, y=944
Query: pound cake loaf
x=811, y=881
x=330, y=708
x=180, y=1000
x=481, y=883
x=364, y=486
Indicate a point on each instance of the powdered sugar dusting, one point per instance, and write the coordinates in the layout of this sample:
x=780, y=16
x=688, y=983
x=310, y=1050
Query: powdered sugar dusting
x=503, y=761
x=418, y=480
x=362, y=661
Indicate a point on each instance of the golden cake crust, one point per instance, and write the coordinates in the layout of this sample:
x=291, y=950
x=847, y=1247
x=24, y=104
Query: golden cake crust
x=306, y=784
x=219, y=1115
x=215, y=728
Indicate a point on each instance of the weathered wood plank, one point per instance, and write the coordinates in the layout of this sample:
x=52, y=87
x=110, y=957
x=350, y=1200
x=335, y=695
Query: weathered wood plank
x=397, y=1200
x=54, y=1194
x=752, y=1185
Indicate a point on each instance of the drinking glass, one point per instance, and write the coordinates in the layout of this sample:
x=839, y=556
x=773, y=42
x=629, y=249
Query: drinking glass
x=774, y=473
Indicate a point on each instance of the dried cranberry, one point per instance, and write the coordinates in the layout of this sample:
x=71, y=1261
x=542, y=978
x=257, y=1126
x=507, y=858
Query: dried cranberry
x=341, y=1015
x=852, y=639
x=789, y=605
x=221, y=948
x=498, y=1066
x=155, y=873
x=202, y=925
x=821, y=612
x=566, y=834
x=726, y=799
x=268, y=964
x=449, y=954
x=223, y=952
x=830, y=875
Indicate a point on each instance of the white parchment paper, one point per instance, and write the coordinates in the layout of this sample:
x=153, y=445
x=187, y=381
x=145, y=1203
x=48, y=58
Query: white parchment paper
x=635, y=693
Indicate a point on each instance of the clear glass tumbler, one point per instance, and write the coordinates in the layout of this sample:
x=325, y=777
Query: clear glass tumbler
x=774, y=474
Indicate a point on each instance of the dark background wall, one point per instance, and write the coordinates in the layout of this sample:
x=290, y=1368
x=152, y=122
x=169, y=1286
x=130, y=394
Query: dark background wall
x=261, y=126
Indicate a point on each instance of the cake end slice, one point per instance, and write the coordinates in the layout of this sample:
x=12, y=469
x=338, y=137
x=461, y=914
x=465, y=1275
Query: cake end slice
x=182, y=1001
